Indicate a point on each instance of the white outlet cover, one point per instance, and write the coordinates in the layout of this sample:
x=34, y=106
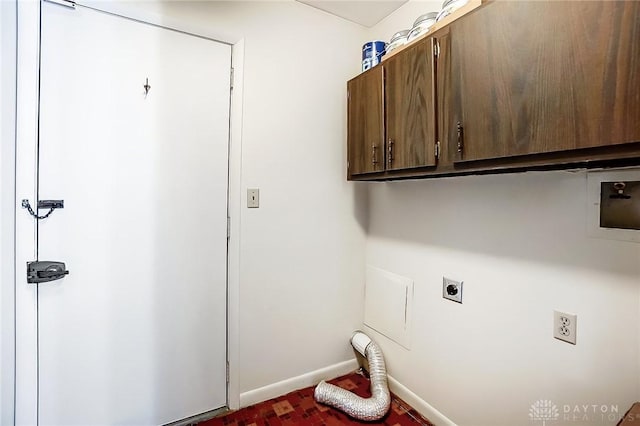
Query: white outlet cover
x=564, y=326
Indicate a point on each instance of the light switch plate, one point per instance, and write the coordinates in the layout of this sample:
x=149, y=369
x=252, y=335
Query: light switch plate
x=253, y=198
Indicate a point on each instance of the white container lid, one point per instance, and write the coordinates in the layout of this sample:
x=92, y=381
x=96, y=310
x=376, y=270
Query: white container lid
x=399, y=35
x=431, y=16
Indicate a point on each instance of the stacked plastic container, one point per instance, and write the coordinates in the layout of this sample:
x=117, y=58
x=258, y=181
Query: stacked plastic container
x=371, y=51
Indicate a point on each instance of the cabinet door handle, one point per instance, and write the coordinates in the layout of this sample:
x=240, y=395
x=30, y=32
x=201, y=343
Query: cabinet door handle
x=390, y=149
x=460, y=131
x=374, y=156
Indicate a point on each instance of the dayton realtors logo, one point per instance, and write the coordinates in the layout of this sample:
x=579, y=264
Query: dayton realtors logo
x=543, y=410
x=591, y=413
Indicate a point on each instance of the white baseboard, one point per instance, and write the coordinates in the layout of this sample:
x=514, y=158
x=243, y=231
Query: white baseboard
x=289, y=385
x=419, y=404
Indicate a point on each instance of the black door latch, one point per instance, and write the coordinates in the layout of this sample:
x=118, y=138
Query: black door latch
x=43, y=271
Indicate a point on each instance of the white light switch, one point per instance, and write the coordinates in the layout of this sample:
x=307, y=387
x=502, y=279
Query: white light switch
x=253, y=198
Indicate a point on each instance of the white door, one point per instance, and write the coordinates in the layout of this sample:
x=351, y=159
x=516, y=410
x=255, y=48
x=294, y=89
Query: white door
x=136, y=333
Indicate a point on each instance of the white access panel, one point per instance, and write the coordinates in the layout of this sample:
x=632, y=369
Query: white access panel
x=388, y=303
x=136, y=333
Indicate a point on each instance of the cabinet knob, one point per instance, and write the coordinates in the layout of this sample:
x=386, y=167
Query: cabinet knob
x=390, y=151
x=460, y=132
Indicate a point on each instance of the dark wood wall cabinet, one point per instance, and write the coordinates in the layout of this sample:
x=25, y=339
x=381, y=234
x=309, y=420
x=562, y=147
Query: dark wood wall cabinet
x=511, y=86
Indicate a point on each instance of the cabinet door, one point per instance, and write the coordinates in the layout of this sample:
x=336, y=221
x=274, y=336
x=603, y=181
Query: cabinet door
x=365, y=123
x=537, y=77
x=410, y=107
x=444, y=101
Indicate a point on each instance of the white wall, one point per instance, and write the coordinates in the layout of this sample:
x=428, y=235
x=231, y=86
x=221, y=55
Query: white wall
x=7, y=138
x=302, y=251
x=519, y=242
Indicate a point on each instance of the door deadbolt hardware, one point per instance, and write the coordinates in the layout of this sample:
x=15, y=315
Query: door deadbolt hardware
x=44, y=271
x=43, y=204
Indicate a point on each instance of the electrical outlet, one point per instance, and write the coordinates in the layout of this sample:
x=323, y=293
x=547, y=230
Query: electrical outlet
x=452, y=289
x=564, y=326
x=253, y=198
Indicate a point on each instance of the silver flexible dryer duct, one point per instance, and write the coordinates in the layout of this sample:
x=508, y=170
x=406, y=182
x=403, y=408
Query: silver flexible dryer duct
x=357, y=407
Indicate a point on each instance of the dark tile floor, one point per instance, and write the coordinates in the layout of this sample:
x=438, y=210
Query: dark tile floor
x=299, y=408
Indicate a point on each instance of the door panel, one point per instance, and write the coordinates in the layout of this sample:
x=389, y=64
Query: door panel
x=520, y=88
x=366, y=123
x=410, y=107
x=136, y=334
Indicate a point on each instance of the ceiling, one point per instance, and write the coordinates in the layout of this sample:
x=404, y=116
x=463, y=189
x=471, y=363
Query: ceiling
x=364, y=12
